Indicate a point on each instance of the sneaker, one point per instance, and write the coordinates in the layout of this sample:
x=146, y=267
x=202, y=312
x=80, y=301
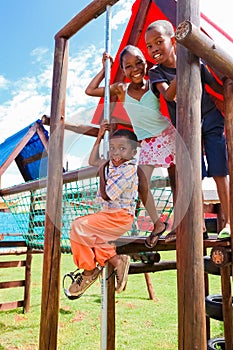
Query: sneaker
x=121, y=272
x=83, y=282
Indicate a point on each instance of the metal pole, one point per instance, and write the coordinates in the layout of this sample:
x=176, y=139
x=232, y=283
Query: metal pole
x=104, y=282
x=107, y=78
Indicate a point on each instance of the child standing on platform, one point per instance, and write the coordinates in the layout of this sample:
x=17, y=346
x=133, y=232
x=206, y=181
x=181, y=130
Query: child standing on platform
x=90, y=235
x=156, y=133
x=161, y=45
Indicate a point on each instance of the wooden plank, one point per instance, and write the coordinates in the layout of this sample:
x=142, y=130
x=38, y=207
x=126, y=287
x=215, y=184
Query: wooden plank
x=130, y=245
x=82, y=174
x=77, y=128
x=12, y=244
x=11, y=305
x=18, y=148
x=34, y=158
x=10, y=264
x=93, y=10
x=13, y=251
x=136, y=268
x=12, y=284
x=42, y=137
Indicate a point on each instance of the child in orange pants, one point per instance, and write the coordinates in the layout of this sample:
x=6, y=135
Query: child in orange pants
x=90, y=235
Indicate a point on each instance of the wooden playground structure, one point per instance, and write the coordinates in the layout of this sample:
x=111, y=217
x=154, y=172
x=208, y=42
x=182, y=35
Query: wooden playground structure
x=193, y=329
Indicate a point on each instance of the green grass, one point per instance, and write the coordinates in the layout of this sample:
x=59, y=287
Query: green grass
x=141, y=324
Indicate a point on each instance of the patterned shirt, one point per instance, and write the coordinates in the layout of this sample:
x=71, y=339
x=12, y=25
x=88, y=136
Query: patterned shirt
x=121, y=187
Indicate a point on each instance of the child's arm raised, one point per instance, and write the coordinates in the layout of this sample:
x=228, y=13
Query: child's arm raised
x=95, y=159
x=94, y=88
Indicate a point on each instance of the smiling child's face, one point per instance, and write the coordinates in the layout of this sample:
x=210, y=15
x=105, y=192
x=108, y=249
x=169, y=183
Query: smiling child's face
x=160, y=46
x=134, y=66
x=121, y=150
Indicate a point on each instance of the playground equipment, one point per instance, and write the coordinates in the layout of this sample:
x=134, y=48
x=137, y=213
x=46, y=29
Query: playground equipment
x=191, y=316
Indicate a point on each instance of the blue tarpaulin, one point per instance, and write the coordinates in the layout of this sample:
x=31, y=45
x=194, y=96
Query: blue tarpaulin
x=32, y=160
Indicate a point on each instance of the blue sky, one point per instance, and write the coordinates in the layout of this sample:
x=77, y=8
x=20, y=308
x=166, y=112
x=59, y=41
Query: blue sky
x=26, y=63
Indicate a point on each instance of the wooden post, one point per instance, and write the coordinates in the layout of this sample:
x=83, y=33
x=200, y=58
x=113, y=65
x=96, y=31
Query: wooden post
x=227, y=309
x=111, y=310
x=228, y=102
x=227, y=306
x=26, y=306
x=52, y=250
x=189, y=245
x=149, y=286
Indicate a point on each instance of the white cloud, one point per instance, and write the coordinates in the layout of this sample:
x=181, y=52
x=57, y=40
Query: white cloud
x=122, y=13
x=26, y=105
x=39, y=53
x=3, y=82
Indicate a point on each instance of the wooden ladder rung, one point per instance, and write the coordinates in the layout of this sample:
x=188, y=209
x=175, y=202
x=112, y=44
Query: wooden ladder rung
x=12, y=284
x=11, y=305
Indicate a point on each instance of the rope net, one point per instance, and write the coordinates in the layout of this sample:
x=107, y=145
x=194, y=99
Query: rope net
x=28, y=209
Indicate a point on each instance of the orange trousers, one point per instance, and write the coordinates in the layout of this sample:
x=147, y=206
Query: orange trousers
x=90, y=234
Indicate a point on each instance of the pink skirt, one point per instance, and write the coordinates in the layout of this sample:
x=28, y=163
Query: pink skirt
x=159, y=150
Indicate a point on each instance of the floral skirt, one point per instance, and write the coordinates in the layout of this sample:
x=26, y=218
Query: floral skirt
x=159, y=150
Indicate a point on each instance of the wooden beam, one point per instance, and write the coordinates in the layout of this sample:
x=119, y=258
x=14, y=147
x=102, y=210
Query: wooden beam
x=18, y=148
x=42, y=138
x=191, y=37
x=136, y=268
x=34, y=158
x=75, y=175
x=93, y=10
x=79, y=129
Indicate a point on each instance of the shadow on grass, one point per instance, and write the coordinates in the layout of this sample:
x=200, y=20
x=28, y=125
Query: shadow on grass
x=65, y=312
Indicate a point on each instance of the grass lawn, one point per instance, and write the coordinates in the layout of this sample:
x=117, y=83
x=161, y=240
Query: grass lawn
x=141, y=324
